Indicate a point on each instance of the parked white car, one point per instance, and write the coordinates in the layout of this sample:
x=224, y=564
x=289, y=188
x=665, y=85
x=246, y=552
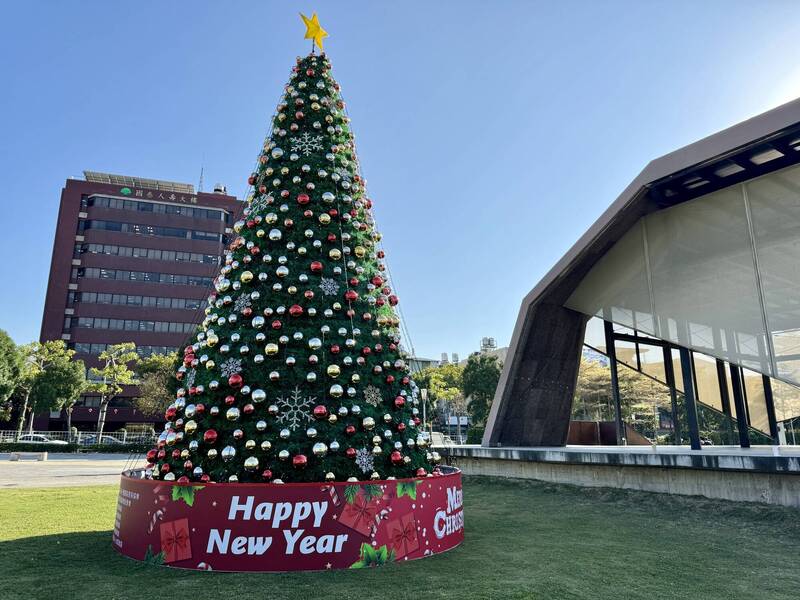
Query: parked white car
x=35, y=438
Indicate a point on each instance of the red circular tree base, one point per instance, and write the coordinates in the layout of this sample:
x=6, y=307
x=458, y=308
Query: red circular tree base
x=287, y=527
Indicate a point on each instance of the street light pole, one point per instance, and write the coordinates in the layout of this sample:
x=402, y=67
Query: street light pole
x=424, y=393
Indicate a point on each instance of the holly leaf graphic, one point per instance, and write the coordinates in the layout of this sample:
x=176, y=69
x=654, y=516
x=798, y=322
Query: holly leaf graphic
x=153, y=559
x=373, y=557
x=185, y=493
x=407, y=488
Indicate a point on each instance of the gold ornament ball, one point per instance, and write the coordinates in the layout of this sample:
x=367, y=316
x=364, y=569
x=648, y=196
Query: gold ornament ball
x=283, y=455
x=250, y=444
x=266, y=445
x=334, y=370
x=190, y=426
x=251, y=463
x=368, y=423
x=271, y=349
x=330, y=476
x=246, y=276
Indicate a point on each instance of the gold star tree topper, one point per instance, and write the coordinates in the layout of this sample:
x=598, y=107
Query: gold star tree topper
x=314, y=30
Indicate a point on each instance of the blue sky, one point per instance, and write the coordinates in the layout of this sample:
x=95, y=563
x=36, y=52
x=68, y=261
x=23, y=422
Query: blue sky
x=492, y=134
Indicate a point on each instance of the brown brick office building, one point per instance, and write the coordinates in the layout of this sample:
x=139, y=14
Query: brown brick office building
x=133, y=260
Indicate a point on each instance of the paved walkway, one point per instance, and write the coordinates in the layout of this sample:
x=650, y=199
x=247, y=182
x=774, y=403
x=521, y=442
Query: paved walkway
x=63, y=470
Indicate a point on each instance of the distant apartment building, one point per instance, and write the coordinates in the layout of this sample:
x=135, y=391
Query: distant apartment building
x=133, y=261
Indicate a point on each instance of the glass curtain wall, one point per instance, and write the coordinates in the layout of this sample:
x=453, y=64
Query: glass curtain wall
x=717, y=274
x=646, y=401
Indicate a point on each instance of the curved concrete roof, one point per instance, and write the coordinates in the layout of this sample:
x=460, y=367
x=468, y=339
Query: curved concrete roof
x=667, y=180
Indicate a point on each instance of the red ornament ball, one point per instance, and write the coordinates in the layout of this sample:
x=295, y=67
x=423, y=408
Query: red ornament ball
x=396, y=457
x=210, y=436
x=266, y=475
x=303, y=199
x=230, y=400
x=316, y=267
x=351, y=295
x=399, y=402
x=350, y=453
x=235, y=380
x=295, y=310
x=350, y=430
x=151, y=455
x=421, y=472
x=320, y=411
x=299, y=461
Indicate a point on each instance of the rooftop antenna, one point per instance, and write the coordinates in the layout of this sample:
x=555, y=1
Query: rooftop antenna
x=200, y=184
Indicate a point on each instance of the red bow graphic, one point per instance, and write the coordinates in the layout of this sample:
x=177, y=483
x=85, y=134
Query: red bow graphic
x=362, y=510
x=174, y=539
x=404, y=535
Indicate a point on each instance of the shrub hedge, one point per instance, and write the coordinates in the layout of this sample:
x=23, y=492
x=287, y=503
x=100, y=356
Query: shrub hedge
x=106, y=448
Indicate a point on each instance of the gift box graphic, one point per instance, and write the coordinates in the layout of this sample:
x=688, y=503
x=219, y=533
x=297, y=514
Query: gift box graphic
x=175, y=542
x=359, y=515
x=402, y=535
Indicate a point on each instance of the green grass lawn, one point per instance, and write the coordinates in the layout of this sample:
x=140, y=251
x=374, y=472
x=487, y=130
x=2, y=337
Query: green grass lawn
x=523, y=540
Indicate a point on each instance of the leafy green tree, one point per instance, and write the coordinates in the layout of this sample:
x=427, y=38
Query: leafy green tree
x=116, y=361
x=10, y=370
x=60, y=384
x=50, y=378
x=443, y=384
x=156, y=384
x=478, y=384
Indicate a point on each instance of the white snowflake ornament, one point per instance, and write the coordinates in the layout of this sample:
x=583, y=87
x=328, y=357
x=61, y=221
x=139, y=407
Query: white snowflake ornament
x=372, y=396
x=307, y=144
x=295, y=409
x=329, y=286
x=231, y=366
x=365, y=460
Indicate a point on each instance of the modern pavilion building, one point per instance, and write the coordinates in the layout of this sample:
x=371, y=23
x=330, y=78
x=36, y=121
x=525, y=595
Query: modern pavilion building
x=691, y=279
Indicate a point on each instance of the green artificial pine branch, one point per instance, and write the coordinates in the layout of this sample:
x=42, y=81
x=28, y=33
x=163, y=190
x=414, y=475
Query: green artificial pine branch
x=296, y=372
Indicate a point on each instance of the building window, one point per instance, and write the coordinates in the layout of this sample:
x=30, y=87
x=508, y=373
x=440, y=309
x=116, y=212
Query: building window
x=149, y=230
x=129, y=325
x=156, y=207
x=145, y=276
x=133, y=300
x=147, y=253
x=95, y=349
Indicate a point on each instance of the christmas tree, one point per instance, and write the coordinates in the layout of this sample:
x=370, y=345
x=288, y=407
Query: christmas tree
x=296, y=372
